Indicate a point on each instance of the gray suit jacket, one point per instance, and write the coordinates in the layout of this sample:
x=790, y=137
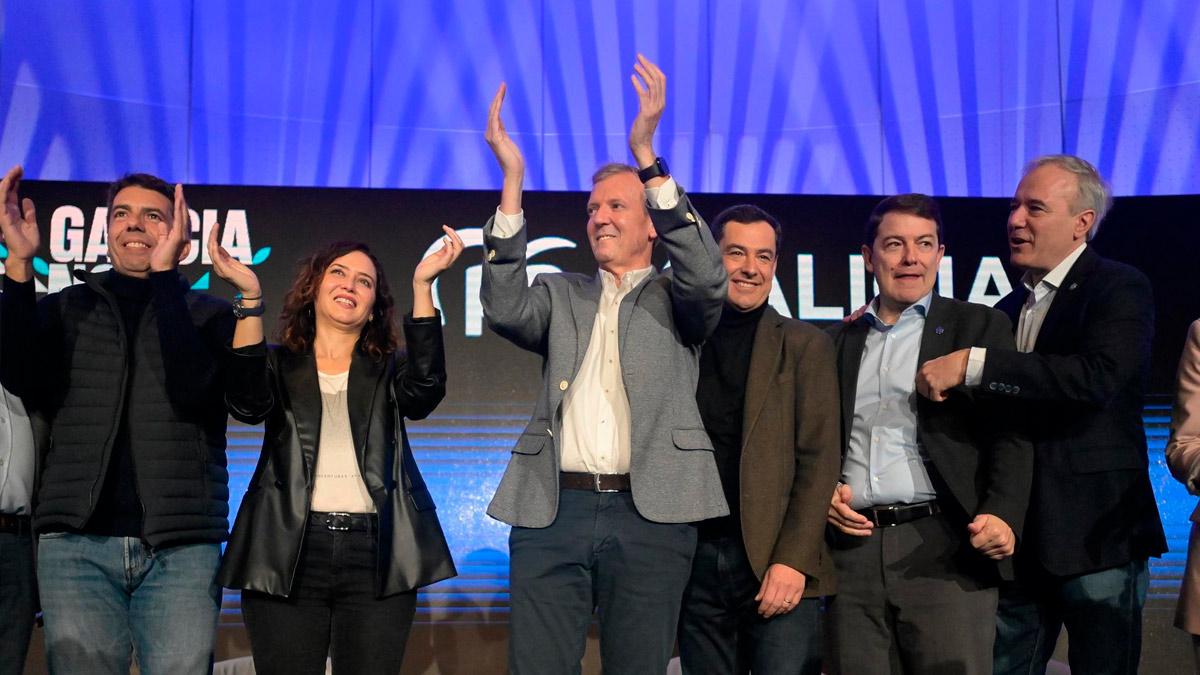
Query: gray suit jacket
x=662, y=323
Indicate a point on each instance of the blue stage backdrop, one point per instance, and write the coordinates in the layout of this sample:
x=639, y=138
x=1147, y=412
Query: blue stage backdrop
x=948, y=97
x=465, y=445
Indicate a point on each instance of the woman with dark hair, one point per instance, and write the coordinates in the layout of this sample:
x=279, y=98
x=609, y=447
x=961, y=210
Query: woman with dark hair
x=337, y=529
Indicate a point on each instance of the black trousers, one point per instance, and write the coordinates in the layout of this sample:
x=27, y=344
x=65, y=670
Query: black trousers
x=721, y=631
x=332, y=610
x=599, y=553
x=16, y=599
x=909, y=602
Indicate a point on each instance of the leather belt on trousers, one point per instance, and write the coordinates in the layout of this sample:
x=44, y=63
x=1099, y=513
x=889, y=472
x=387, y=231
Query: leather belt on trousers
x=596, y=482
x=14, y=524
x=343, y=522
x=898, y=514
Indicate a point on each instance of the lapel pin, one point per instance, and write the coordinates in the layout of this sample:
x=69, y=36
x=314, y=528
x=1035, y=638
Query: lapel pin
x=1072, y=287
x=939, y=330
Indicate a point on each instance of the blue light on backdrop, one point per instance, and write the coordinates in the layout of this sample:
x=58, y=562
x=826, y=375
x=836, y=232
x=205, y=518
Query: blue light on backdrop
x=779, y=96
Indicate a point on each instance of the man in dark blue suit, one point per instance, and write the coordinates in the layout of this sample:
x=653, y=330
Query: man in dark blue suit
x=1084, y=326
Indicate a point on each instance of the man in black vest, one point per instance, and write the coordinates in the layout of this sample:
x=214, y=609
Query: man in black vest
x=133, y=497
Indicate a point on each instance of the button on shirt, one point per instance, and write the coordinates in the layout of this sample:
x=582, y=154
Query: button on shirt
x=884, y=463
x=1033, y=313
x=595, y=412
x=16, y=457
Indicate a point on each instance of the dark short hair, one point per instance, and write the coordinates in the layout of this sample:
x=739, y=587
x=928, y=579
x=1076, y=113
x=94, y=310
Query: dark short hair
x=297, y=327
x=142, y=180
x=746, y=214
x=913, y=203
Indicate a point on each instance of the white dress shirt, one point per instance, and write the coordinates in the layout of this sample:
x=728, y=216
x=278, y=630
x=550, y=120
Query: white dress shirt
x=1033, y=313
x=16, y=457
x=595, y=412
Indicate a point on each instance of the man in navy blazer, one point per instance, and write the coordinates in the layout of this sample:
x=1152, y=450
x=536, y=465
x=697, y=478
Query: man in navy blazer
x=614, y=465
x=1083, y=329
x=932, y=496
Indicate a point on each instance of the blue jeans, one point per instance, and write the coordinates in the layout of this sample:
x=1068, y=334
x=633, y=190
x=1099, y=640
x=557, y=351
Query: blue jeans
x=720, y=630
x=106, y=598
x=1101, y=610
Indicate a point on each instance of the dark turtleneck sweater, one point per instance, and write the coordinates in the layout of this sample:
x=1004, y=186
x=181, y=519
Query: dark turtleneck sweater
x=721, y=397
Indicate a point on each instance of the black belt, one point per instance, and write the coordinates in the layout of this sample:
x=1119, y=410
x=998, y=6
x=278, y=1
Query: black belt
x=14, y=524
x=898, y=514
x=596, y=482
x=343, y=522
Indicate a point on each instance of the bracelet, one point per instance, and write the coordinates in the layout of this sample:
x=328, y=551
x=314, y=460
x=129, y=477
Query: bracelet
x=239, y=296
x=240, y=311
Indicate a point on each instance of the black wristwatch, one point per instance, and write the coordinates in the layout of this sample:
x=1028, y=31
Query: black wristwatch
x=658, y=168
x=241, y=311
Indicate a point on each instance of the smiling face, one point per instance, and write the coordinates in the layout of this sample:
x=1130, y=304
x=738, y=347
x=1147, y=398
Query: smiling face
x=346, y=294
x=619, y=227
x=904, y=259
x=748, y=251
x=1044, y=226
x=136, y=217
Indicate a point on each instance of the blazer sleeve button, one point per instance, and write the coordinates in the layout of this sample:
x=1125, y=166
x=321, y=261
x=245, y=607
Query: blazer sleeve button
x=278, y=483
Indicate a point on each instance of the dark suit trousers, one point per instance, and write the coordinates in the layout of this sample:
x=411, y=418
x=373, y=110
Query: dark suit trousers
x=905, y=603
x=16, y=599
x=721, y=631
x=598, y=553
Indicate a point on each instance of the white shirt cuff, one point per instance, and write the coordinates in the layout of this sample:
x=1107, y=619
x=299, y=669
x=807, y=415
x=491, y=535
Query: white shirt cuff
x=663, y=197
x=505, y=226
x=975, y=361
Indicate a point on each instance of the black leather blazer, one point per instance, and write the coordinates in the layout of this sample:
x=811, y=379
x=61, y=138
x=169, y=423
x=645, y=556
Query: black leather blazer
x=280, y=387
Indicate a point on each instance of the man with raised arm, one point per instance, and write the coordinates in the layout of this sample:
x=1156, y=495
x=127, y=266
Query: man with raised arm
x=614, y=466
x=133, y=497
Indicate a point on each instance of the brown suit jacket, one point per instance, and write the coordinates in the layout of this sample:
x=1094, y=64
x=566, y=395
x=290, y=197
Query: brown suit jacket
x=1183, y=457
x=791, y=455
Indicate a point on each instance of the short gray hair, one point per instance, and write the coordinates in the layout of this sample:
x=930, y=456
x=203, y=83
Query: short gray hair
x=611, y=169
x=1093, y=192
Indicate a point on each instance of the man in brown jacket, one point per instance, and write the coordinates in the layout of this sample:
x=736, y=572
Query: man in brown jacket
x=768, y=395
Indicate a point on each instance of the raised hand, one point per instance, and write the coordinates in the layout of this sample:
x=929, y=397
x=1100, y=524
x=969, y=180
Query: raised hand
x=652, y=99
x=172, y=242
x=428, y=270
x=231, y=269
x=439, y=261
x=18, y=227
x=508, y=155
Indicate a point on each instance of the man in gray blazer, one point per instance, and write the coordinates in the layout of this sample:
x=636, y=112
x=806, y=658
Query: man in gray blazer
x=615, y=464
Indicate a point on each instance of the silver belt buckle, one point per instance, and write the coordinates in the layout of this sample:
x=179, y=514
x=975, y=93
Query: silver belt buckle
x=596, y=483
x=332, y=517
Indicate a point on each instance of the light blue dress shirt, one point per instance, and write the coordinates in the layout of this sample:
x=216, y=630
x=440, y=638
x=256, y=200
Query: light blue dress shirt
x=884, y=462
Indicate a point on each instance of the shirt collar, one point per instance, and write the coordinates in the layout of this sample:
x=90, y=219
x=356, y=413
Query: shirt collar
x=920, y=307
x=1055, y=277
x=608, y=281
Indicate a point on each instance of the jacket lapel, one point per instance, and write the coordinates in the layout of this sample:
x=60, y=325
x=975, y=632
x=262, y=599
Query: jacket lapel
x=362, y=388
x=299, y=374
x=764, y=363
x=1064, y=297
x=584, y=303
x=935, y=336
x=850, y=351
x=626, y=310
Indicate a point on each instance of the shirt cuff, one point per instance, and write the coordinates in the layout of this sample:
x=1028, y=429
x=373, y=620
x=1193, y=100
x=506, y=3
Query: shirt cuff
x=505, y=226
x=665, y=196
x=975, y=361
